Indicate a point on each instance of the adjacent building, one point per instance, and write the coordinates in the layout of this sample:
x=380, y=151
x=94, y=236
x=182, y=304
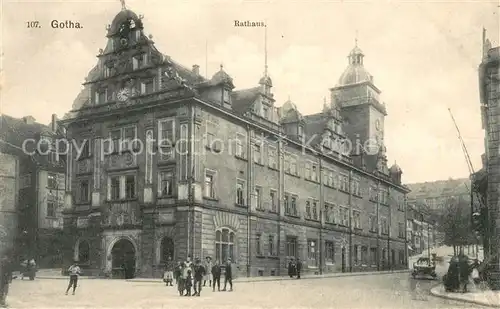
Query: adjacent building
x=40, y=188
x=422, y=232
x=9, y=183
x=487, y=181
x=165, y=162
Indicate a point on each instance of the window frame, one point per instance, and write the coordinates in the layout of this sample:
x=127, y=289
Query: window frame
x=213, y=175
x=231, y=245
x=161, y=188
x=242, y=183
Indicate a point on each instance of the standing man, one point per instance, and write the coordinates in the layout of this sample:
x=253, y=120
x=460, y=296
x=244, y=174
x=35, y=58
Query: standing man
x=299, y=267
x=228, y=276
x=216, y=271
x=5, y=277
x=74, y=272
x=208, y=269
x=199, y=272
x=169, y=272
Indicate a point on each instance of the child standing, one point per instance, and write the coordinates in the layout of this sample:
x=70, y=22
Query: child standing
x=74, y=272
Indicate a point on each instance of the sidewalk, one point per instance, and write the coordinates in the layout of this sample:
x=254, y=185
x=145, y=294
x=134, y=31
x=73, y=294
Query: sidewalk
x=56, y=274
x=281, y=278
x=474, y=296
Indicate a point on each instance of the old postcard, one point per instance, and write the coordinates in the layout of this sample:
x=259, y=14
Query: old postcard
x=249, y=154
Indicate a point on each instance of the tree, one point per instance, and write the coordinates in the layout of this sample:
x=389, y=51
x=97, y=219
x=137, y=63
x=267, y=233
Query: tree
x=455, y=222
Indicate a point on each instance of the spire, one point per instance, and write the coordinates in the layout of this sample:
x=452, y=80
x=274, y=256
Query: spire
x=123, y=5
x=356, y=39
x=265, y=51
x=356, y=55
x=221, y=67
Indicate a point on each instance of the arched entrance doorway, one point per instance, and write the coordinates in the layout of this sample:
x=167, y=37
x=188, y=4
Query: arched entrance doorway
x=123, y=259
x=167, y=249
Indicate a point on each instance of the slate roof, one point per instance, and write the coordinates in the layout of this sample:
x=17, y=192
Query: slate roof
x=439, y=188
x=243, y=99
x=15, y=131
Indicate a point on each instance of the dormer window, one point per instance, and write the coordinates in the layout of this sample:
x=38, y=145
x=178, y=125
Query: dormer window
x=265, y=112
x=226, y=96
x=101, y=96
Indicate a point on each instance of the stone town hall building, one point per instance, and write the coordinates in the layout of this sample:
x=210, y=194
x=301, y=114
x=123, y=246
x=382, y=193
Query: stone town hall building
x=220, y=189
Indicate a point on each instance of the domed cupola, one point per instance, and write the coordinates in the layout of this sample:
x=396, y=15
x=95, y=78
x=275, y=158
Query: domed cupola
x=355, y=72
x=123, y=21
x=395, y=173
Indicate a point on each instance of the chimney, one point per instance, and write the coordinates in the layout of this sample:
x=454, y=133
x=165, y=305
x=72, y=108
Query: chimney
x=28, y=119
x=196, y=69
x=53, y=124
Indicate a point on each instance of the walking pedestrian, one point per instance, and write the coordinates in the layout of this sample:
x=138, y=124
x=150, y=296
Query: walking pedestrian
x=208, y=269
x=298, y=266
x=181, y=278
x=199, y=273
x=291, y=268
x=216, y=271
x=177, y=272
x=228, y=276
x=74, y=272
x=188, y=282
x=5, y=277
x=168, y=275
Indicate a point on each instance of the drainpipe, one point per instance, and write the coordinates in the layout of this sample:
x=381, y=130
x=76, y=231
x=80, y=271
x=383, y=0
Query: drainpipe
x=321, y=205
x=249, y=197
x=281, y=179
x=378, y=226
x=351, y=230
x=406, y=230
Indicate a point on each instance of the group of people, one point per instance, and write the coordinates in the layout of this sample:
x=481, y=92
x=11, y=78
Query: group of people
x=460, y=272
x=294, y=267
x=189, y=275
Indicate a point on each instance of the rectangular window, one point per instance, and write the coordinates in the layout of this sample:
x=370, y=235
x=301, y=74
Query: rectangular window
x=107, y=71
x=355, y=254
x=86, y=151
x=265, y=112
x=226, y=96
x=344, y=183
x=293, y=206
x=328, y=213
x=308, y=209
x=210, y=133
x=273, y=195
x=258, y=245
x=291, y=246
x=355, y=187
x=166, y=183
x=307, y=171
x=344, y=216
x=314, y=210
x=210, y=184
x=258, y=198
x=129, y=135
x=147, y=87
x=330, y=252
x=257, y=154
x=115, y=188
x=84, y=191
x=240, y=192
x=51, y=209
x=287, y=163
x=270, y=246
x=372, y=223
x=373, y=194
x=384, y=226
x=312, y=252
x=239, y=146
x=331, y=179
x=52, y=181
x=137, y=62
x=356, y=219
x=101, y=96
x=166, y=137
x=364, y=255
x=272, y=157
x=287, y=203
x=314, y=173
x=401, y=230
x=373, y=256
x=130, y=186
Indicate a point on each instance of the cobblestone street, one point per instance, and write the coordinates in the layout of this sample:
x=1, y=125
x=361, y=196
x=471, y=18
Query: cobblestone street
x=377, y=291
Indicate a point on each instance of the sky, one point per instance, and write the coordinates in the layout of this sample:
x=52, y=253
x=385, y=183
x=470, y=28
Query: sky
x=424, y=56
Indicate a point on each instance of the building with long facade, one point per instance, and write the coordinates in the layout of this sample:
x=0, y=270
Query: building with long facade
x=234, y=179
x=39, y=196
x=487, y=181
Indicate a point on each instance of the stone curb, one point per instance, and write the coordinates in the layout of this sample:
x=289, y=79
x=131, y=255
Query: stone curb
x=436, y=293
x=281, y=278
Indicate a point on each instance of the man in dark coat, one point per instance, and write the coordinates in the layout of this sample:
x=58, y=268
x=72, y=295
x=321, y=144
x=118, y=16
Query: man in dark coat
x=298, y=266
x=228, y=276
x=5, y=277
x=216, y=271
x=291, y=268
x=199, y=272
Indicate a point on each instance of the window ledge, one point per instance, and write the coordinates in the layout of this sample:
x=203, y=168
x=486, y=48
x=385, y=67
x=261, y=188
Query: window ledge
x=358, y=229
x=260, y=209
x=312, y=219
x=240, y=158
x=259, y=163
x=293, y=216
x=211, y=198
x=273, y=168
x=274, y=257
x=311, y=180
x=82, y=203
x=345, y=191
x=329, y=186
x=240, y=205
x=260, y=256
x=84, y=158
x=165, y=197
x=293, y=175
x=357, y=195
x=122, y=200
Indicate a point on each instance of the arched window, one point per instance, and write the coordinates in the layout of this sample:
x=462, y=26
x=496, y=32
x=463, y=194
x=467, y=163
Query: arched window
x=83, y=252
x=167, y=249
x=224, y=245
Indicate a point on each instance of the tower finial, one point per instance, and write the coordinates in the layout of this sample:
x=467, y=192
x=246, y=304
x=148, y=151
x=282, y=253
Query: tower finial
x=123, y=5
x=265, y=50
x=356, y=39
